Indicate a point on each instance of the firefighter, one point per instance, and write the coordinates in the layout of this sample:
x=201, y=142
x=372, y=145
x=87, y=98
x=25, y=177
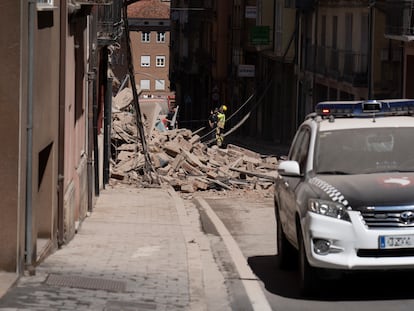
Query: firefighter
x=212, y=122
x=221, y=120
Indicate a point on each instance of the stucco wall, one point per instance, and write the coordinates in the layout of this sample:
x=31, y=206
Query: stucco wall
x=12, y=137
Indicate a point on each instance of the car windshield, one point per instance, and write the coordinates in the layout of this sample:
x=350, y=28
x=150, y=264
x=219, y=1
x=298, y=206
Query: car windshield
x=365, y=151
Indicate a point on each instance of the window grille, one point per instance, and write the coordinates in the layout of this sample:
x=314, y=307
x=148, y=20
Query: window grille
x=160, y=37
x=145, y=37
x=160, y=61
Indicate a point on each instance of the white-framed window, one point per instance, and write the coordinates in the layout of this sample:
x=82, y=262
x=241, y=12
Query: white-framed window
x=145, y=60
x=145, y=84
x=145, y=36
x=160, y=61
x=161, y=36
x=159, y=84
x=43, y=5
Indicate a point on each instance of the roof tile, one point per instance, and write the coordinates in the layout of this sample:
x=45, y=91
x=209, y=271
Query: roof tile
x=149, y=9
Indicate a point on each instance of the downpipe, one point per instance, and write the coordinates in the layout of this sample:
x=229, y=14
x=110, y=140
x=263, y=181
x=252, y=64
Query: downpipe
x=29, y=249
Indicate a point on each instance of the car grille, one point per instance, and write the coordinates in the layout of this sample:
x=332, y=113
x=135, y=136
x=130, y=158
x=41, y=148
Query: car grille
x=408, y=252
x=389, y=216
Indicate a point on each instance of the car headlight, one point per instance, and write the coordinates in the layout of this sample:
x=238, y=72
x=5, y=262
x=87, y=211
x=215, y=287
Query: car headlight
x=329, y=208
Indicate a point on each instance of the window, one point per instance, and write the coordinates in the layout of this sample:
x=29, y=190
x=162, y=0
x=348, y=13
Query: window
x=145, y=61
x=159, y=84
x=145, y=84
x=145, y=36
x=160, y=61
x=160, y=36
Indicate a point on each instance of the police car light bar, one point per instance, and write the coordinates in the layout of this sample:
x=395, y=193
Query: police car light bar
x=366, y=108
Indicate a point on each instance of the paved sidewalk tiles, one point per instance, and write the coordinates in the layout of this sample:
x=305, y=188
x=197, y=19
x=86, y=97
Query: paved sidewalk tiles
x=134, y=252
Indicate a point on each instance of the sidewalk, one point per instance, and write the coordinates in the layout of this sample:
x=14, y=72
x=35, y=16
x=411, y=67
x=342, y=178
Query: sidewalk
x=136, y=251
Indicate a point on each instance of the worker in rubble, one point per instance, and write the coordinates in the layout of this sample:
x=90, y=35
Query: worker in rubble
x=172, y=118
x=212, y=122
x=221, y=120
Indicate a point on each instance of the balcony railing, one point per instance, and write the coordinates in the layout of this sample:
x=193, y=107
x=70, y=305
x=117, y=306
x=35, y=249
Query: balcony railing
x=341, y=65
x=110, y=23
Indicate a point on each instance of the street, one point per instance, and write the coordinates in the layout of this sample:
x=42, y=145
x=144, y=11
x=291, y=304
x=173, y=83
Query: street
x=250, y=221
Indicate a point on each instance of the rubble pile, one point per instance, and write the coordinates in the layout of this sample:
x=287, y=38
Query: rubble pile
x=179, y=159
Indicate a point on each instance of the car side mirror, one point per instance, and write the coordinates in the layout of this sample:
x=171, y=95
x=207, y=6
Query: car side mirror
x=289, y=168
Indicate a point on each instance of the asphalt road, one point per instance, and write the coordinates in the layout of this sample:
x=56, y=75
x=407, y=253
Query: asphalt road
x=251, y=223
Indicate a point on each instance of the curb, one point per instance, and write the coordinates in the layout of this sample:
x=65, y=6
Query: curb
x=195, y=268
x=249, y=280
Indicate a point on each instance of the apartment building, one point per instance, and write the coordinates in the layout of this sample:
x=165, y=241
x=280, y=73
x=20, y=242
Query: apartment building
x=53, y=99
x=149, y=35
x=400, y=30
x=200, y=69
x=294, y=54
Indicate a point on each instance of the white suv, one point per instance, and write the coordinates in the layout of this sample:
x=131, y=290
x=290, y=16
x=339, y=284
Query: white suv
x=344, y=197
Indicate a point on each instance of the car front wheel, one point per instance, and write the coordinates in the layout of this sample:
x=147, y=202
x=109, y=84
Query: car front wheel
x=308, y=277
x=285, y=256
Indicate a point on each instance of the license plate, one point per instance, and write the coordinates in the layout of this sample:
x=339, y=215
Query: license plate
x=396, y=241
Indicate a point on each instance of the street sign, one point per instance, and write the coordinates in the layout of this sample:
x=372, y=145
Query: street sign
x=251, y=12
x=246, y=71
x=259, y=35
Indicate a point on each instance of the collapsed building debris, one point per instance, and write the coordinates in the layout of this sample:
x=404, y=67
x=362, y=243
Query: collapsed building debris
x=178, y=156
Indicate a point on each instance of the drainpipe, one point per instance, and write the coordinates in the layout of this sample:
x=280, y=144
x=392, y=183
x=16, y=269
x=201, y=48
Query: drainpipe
x=91, y=101
x=29, y=158
x=107, y=121
x=298, y=63
x=315, y=54
x=95, y=136
x=61, y=133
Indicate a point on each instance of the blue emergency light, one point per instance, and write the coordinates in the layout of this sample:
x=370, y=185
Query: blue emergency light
x=366, y=108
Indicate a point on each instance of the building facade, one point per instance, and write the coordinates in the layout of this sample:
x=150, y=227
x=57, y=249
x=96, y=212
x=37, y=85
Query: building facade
x=200, y=58
x=289, y=55
x=149, y=35
x=54, y=100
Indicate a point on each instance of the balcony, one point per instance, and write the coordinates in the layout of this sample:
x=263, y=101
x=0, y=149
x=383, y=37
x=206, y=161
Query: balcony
x=399, y=19
x=341, y=65
x=110, y=23
x=355, y=68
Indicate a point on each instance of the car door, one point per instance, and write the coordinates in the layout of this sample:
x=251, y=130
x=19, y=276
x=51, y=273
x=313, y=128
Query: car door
x=289, y=186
